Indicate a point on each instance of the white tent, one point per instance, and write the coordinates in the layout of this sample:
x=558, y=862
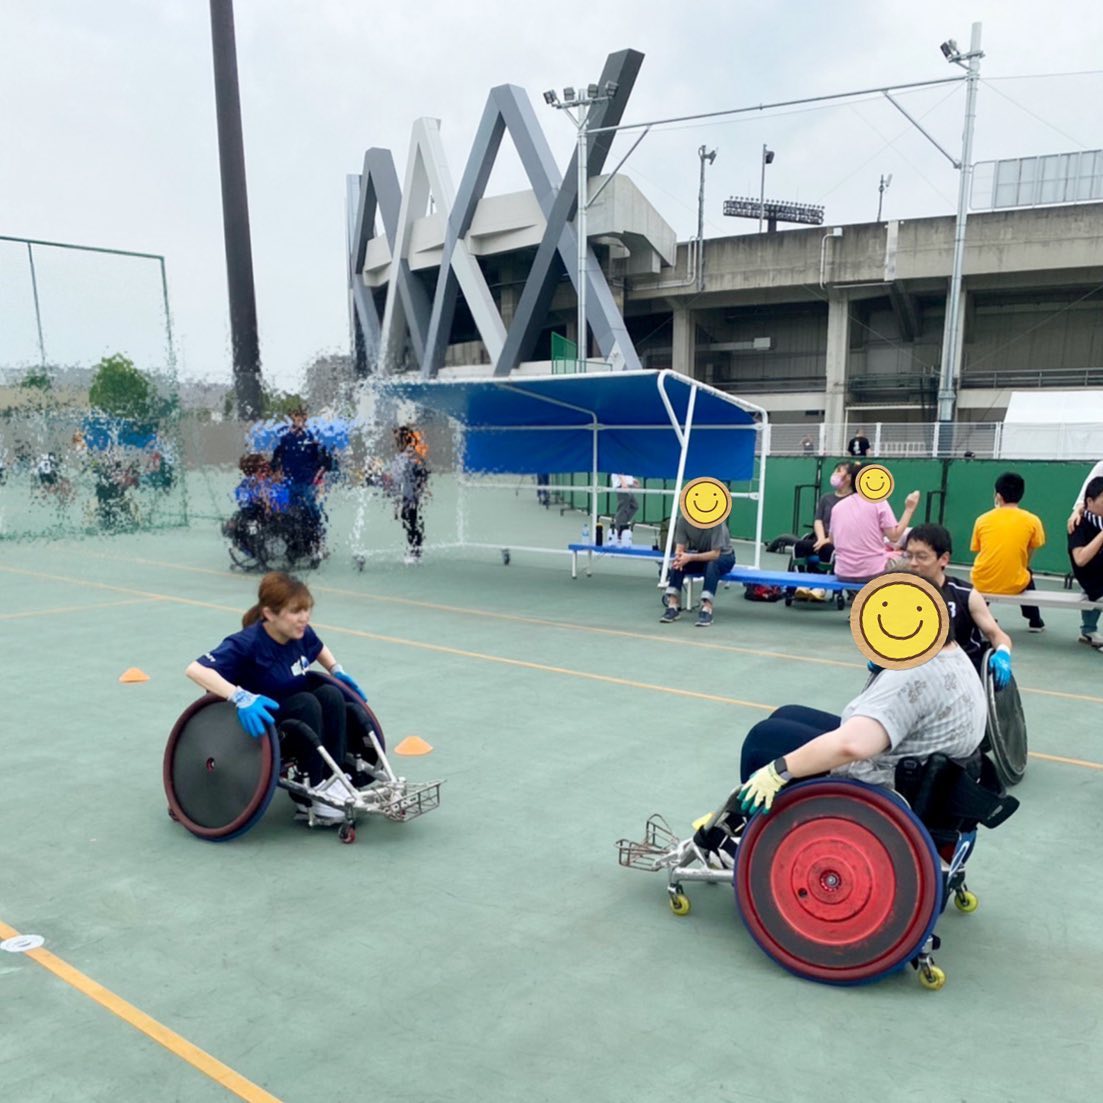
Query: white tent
x=1053, y=425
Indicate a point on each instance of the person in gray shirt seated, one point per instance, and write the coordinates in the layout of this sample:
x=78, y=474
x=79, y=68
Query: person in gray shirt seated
x=697, y=551
x=937, y=707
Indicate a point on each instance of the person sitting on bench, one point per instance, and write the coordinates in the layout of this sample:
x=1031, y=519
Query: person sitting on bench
x=859, y=529
x=1086, y=554
x=819, y=548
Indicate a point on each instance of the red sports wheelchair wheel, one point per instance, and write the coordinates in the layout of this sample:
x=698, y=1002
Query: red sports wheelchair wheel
x=219, y=781
x=840, y=883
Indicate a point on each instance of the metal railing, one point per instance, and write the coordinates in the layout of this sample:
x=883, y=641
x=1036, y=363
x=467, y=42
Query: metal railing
x=925, y=439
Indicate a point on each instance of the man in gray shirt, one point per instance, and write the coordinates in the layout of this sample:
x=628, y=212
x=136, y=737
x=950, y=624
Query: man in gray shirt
x=697, y=551
x=938, y=707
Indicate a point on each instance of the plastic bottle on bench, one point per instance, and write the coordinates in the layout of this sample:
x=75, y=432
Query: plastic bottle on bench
x=585, y=532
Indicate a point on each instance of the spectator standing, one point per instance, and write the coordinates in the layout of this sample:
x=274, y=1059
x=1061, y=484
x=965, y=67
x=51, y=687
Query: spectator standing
x=858, y=445
x=806, y=445
x=408, y=480
x=1004, y=539
x=1086, y=554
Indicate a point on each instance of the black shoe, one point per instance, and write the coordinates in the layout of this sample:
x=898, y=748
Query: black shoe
x=670, y=614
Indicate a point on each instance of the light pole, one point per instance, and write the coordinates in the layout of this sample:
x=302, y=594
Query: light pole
x=883, y=187
x=951, y=337
x=767, y=159
x=710, y=156
x=577, y=104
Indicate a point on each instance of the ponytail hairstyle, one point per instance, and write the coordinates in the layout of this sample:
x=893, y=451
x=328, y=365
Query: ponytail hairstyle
x=277, y=591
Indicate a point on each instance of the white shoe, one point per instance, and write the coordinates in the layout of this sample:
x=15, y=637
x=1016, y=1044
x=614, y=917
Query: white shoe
x=409, y=560
x=334, y=790
x=611, y=539
x=626, y=538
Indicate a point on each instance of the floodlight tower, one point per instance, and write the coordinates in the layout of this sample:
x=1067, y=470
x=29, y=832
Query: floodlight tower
x=577, y=104
x=886, y=183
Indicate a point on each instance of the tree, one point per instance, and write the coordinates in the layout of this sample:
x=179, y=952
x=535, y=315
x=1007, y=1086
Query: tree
x=37, y=379
x=119, y=389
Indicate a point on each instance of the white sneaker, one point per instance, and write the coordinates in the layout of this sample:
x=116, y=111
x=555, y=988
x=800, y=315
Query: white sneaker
x=409, y=560
x=626, y=538
x=335, y=790
x=611, y=539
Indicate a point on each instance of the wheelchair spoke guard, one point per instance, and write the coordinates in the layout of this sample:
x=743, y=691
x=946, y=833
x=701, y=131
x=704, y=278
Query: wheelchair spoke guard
x=1005, y=737
x=218, y=780
x=840, y=883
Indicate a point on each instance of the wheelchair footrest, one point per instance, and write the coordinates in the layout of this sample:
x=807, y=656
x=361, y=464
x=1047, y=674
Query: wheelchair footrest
x=411, y=802
x=658, y=843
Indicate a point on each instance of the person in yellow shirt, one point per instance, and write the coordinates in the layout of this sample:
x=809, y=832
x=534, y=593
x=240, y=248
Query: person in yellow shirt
x=1004, y=539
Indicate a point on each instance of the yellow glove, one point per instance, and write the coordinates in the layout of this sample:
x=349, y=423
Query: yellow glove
x=762, y=786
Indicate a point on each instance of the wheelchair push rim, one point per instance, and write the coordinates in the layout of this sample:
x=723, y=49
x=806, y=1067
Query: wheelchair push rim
x=218, y=780
x=840, y=883
x=1005, y=735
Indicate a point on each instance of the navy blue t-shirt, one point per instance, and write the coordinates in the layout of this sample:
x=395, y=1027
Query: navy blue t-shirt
x=256, y=662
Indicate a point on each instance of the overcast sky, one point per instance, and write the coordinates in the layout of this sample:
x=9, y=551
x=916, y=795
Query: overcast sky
x=107, y=126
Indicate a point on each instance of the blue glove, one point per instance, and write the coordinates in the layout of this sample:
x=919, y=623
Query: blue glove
x=254, y=712
x=873, y=668
x=338, y=672
x=999, y=662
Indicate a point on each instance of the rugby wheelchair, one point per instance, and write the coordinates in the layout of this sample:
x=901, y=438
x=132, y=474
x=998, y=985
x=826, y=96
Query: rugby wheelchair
x=219, y=781
x=843, y=882
x=280, y=538
x=1005, y=734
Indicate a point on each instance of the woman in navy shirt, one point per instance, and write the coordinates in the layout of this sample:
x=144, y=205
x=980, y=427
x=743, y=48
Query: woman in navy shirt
x=262, y=670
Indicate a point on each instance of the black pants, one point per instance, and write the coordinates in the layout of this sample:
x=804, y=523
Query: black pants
x=414, y=526
x=806, y=549
x=1032, y=613
x=784, y=730
x=323, y=711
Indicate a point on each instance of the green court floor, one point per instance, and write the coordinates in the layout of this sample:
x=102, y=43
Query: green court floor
x=494, y=950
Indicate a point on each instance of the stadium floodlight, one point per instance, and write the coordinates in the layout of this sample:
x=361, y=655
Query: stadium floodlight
x=568, y=94
x=775, y=210
x=593, y=91
x=949, y=49
x=611, y=87
x=550, y=97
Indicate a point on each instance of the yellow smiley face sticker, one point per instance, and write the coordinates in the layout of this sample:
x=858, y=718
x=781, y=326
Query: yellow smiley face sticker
x=706, y=502
x=874, y=483
x=899, y=620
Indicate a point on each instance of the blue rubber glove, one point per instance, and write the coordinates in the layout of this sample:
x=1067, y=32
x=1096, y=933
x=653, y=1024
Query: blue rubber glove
x=999, y=662
x=254, y=712
x=338, y=672
x=873, y=668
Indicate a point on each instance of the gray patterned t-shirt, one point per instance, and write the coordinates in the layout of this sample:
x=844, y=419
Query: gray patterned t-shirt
x=936, y=707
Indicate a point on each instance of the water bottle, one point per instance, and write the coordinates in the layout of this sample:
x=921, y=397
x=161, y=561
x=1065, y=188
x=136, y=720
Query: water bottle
x=585, y=532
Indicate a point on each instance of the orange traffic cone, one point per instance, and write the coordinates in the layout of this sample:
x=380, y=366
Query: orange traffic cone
x=133, y=674
x=413, y=745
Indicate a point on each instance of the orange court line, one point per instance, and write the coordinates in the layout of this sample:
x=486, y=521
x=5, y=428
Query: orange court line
x=572, y=626
x=198, y=1058
x=505, y=661
x=76, y=608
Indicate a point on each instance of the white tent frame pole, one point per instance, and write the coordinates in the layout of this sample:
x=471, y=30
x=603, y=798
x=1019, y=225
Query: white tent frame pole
x=683, y=438
x=764, y=451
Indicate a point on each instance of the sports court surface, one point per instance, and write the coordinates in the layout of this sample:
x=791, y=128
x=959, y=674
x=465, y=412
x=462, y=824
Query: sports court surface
x=492, y=950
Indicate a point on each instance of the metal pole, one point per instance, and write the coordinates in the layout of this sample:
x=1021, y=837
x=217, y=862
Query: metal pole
x=762, y=190
x=235, y=212
x=880, y=196
x=580, y=227
x=699, y=262
x=37, y=312
x=950, y=369
x=168, y=318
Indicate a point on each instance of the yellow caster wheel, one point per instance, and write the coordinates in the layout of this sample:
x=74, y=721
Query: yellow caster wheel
x=930, y=976
x=966, y=901
x=679, y=903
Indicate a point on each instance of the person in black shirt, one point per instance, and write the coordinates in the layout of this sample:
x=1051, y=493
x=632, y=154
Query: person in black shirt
x=1086, y=553
x=927, y=549
x=858, y=445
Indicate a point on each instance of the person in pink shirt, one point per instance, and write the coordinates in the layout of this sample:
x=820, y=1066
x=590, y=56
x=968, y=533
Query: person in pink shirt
x=860, y=529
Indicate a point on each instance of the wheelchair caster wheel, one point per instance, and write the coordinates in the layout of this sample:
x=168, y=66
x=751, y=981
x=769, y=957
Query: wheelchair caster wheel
x=679, y=903
x=347, y=833
x=840, y=599
x=931, y=977
x=966, y=901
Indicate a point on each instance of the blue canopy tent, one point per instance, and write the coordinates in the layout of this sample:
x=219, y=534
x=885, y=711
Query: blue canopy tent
x=653, y=424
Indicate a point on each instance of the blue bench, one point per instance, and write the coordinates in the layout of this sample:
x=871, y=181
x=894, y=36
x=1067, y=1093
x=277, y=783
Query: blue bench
x=788, y=580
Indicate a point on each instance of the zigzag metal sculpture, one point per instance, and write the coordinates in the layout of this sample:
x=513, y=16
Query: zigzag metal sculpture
x=407, y=312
